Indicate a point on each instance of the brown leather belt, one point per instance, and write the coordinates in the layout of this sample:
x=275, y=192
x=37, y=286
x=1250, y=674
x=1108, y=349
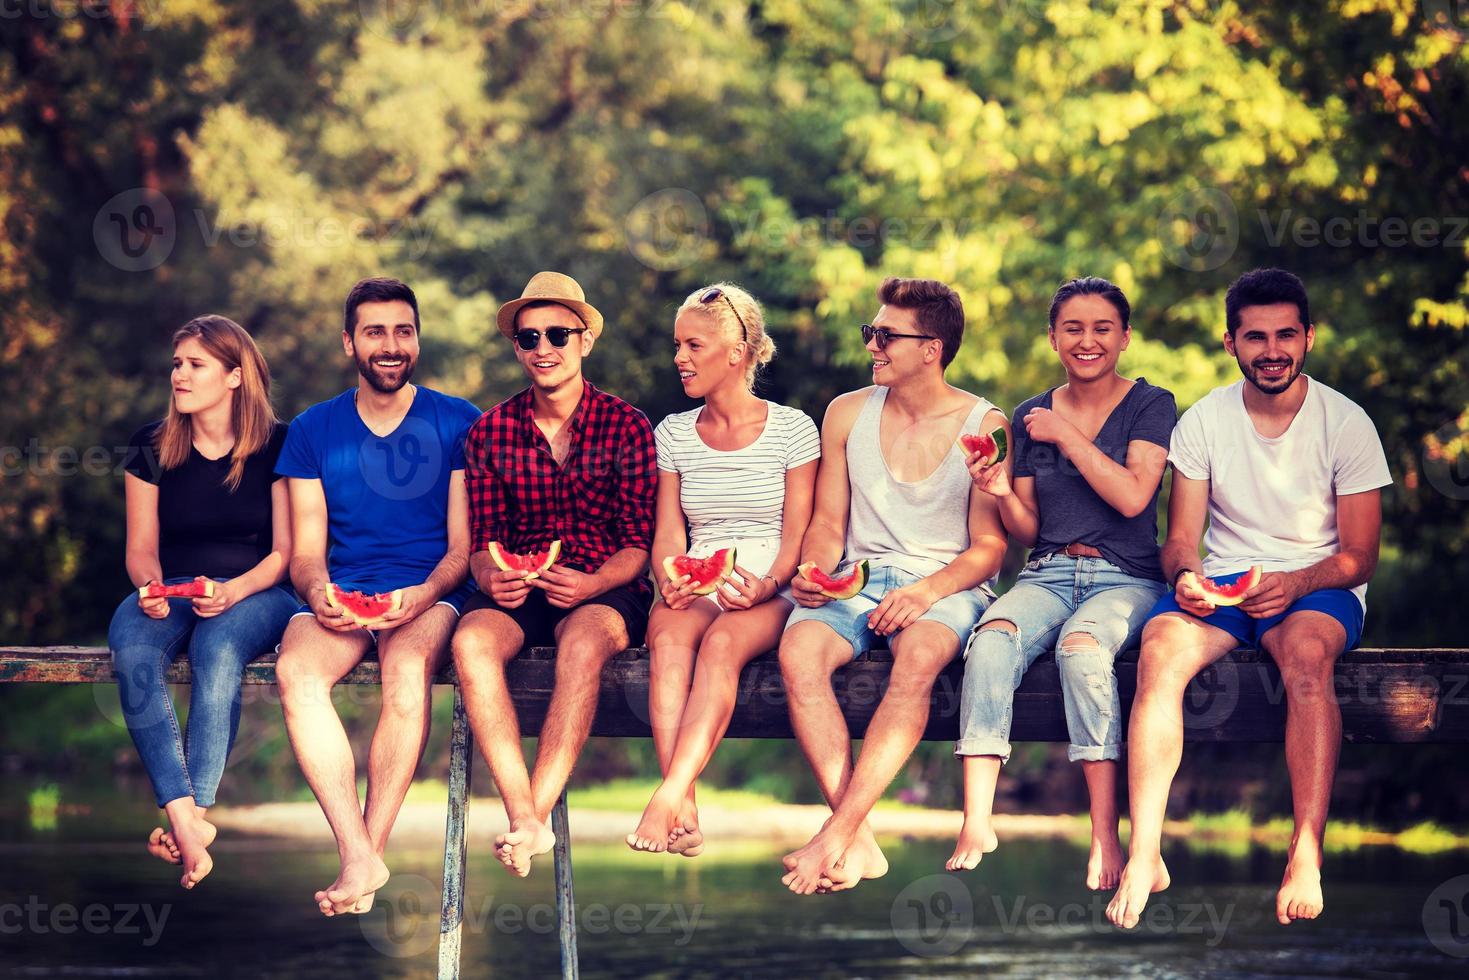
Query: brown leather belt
x=1078, y=550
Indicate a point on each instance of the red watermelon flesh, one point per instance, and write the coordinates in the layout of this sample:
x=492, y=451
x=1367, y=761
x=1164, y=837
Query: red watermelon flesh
x=533, y=563
x=837, y=588
x=200, y=588
x=992, y=445
x=705, y=574
x=362, y=608
x=1234, y=593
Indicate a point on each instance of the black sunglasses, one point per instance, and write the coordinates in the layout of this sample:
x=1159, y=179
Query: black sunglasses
x=714, y=294
x=883, y=335
x=558, y=336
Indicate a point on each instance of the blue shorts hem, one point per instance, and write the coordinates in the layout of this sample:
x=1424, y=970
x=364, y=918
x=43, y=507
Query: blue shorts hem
x=1340, y=604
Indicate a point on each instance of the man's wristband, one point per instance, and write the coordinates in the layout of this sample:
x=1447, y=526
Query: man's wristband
x=1180, y=574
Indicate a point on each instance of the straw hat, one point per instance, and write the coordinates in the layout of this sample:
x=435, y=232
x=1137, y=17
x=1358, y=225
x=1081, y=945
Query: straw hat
x=551, y=287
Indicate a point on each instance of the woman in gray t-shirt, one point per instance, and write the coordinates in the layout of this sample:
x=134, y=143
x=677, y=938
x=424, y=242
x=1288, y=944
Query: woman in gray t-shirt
x=1081, y=488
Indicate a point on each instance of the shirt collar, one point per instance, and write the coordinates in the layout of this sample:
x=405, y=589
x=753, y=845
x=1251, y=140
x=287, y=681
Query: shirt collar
x=578, y=418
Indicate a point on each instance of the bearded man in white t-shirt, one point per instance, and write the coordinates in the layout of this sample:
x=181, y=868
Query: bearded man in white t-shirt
x=1288, y=474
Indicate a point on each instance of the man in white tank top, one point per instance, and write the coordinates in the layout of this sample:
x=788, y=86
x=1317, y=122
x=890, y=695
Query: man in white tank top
x=1288, y=474
x=893, y=492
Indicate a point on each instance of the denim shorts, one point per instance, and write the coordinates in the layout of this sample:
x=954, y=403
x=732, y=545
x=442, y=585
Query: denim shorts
x=848, y=617
x=1340, y=604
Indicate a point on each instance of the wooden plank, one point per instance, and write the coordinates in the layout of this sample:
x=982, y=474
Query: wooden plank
x=451, y=911
x=1386, y=695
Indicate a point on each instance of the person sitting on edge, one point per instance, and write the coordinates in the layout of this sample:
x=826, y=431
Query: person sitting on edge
x=737, y=473
x=1289, y=474
x=893, y=490
x=378, y=505
x=202, y=500
x=1088, y=460
x=559, y=461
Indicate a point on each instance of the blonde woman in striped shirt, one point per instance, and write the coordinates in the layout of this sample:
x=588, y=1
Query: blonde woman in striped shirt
x=738, y=472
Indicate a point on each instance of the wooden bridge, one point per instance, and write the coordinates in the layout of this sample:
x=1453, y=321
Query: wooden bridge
x=1386, y=695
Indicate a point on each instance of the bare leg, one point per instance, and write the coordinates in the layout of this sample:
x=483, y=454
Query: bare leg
x=977, y=836
x=1104, y=862
x=312, y=660
x=1305, y=646
x=919, y=653
x=1083, y=664
x=585, y=641
x=485, y=642
x=673, y=636
x=733, y=641
x=410, y=655
x=1176, y=647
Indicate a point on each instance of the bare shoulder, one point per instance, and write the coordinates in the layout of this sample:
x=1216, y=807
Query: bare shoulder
x=842, y=413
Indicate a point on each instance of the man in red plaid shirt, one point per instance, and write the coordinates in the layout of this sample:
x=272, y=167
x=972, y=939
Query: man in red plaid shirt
x=560, y=461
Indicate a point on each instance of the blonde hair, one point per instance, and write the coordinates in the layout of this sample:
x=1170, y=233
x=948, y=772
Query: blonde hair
x=252, y=416
x=737, y=316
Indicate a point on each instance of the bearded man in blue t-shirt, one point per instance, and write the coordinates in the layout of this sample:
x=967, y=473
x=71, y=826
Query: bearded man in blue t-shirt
x=378, y=505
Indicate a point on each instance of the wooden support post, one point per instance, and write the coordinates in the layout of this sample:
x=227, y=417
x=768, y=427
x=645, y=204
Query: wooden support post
x=565, y=900
x=451, y=915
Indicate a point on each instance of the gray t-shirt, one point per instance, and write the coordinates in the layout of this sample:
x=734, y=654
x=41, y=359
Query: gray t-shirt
x=1070, y=510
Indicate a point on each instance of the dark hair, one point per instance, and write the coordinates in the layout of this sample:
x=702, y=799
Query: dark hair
x=1265, y=287
x=940, y=310
x=377, y=289
x=1092, y=286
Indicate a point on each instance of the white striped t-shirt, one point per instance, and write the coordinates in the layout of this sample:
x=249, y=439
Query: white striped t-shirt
x=740, y=493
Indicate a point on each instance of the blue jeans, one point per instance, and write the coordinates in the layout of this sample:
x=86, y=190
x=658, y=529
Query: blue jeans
x=219, y=648
x=1055, y=597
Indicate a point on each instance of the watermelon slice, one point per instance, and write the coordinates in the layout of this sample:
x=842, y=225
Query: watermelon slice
x=705, y=574
x=1234, y=593
x=200, y=588
x=837, y=588
x=534, y=562
x=992, y=446
x=362, y=608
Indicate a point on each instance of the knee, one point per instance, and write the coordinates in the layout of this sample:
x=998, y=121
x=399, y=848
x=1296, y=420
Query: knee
x=297, y=678
x=800, y=662
x=719, y=648
x=1080, y=656
x=580, y=657
x=471, y=647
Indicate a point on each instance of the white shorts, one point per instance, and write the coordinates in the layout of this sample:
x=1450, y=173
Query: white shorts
x=754, y=555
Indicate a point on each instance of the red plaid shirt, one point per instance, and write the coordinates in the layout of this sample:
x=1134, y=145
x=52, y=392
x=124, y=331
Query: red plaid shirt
x=599, y=502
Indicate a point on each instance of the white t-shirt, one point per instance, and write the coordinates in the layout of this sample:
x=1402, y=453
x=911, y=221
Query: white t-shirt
x=1272, y=502
x=740, y=493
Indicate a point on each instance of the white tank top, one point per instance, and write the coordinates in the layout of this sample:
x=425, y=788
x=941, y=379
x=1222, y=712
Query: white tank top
x=918, y=527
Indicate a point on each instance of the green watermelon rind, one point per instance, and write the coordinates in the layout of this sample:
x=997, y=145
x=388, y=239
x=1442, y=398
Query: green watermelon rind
x=674, y=570
x=997, y=436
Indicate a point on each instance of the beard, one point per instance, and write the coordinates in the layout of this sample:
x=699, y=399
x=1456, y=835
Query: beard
x=1271, y=386
x=385, y=382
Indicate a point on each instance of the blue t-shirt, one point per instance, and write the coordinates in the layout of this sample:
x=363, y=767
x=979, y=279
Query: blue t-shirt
x=1070, y=510
x=387, y=497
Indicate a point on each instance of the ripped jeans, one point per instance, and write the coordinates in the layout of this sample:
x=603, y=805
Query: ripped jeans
x=1094, y=609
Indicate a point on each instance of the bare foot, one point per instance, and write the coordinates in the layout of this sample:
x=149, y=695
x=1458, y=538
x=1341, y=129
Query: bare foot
x=863, y=860
x=976, y=839
x=1140, y=878
x=161, y=845
x=360, y=877
x=1104, y=864
x=655, y=829
x=525, y=839
x=806, y=866
x=686, y=838
x=1300, y=892
x=192, y=839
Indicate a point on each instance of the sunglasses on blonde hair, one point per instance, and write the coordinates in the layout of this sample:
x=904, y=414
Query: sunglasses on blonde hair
x=712, y=295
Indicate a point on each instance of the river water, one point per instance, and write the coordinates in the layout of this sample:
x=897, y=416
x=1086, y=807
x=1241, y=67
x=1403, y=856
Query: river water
x=71, y=906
